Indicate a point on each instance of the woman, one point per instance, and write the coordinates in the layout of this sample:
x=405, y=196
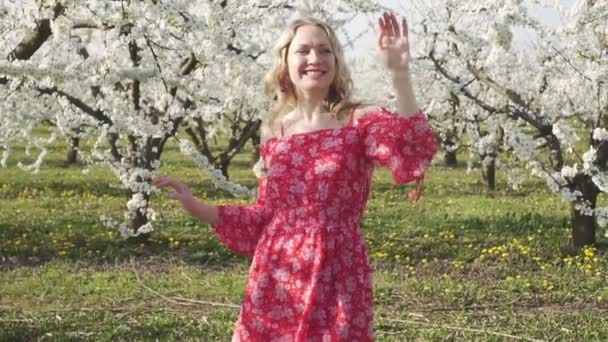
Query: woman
x=310, y=279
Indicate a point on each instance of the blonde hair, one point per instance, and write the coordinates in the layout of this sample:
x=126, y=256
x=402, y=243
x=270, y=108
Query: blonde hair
x=340, y=90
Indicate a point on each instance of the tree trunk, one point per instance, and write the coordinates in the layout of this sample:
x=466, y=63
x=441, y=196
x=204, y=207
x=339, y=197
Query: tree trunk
x=142, y=157
x=72, y=155
x=137, y=221
x=449, y=147
x=491, y=175
x=255, y=141
x=222, y=164
x=255, y=155
x=449, y=158
x=583, y=226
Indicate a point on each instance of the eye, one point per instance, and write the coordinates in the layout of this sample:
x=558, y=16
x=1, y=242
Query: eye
x=326, y=51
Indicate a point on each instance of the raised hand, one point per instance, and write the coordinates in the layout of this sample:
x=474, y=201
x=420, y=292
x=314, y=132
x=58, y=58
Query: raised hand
x=393, y=43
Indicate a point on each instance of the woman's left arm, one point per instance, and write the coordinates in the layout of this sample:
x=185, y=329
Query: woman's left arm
x=394, y=53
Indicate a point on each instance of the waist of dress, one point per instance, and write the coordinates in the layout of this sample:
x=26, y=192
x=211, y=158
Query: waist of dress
x=320, y=213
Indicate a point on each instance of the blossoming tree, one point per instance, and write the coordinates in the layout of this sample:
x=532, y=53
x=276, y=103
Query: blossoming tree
x=129, y=74
x=549, y=100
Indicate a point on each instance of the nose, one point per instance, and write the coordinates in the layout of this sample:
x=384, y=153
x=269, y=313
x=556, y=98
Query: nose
x=313, y=56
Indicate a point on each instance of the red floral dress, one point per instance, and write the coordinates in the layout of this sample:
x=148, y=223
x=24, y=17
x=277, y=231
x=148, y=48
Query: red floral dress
x=310, y=279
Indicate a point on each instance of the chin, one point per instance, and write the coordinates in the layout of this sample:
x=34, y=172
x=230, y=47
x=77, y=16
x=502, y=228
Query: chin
x=317, y=92
x=315, y=87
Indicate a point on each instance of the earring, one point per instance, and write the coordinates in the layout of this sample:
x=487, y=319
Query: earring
x=283, y=86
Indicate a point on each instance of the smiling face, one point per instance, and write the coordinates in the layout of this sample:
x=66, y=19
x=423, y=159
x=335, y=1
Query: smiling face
x=311, y=61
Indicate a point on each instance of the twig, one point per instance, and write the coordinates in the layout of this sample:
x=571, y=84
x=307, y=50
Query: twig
x=193, y=301
x=152, y=290
x=29, y=321
x=56, y=310
x=390, y=333
x=179, y=300
x=121, y=312
x=480, y=331
x=473, y=307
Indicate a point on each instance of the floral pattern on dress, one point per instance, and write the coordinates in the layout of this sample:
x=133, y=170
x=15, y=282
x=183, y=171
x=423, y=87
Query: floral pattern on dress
x=310, y=278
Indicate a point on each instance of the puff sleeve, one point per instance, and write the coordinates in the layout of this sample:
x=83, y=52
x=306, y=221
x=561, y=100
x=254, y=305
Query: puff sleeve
x=240, y=226
x=405, y=145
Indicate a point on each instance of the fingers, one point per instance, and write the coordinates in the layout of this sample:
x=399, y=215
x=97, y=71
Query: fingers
x=163, y=182
x=386, y=25
x=390, y=26
x=381, y=35
x=181, y=192
x=394, y=25
x=178, y=196
x=386, y=29
x=381, y=25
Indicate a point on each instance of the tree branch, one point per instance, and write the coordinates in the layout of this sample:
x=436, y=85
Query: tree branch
x=36, y=38
x=463, y=89
x=570, y=63
x=239, y=51
x=96, y=114
x=135, y=90
x=160, y=69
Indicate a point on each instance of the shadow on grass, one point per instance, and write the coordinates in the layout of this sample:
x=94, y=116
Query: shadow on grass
x=436, y=234
x=99, y=189
x=406, y=218
x=146, y=323
x=25, y=245
x=511, y=223
x=460, y=189
x=58, y=187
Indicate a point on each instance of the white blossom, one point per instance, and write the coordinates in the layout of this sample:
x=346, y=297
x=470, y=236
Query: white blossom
x=165, y=34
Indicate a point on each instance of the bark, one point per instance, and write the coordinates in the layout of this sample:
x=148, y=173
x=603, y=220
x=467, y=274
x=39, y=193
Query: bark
x=33, y=40
x=450, y=159
x=491, y=175
x=493, y=155
x=139, y=220
x=143, y=159
x=255, y=141
x=584, y=226
x=222, y=164
x=72, y=154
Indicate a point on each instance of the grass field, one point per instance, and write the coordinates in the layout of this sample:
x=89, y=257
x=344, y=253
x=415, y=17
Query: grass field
x=461, y=265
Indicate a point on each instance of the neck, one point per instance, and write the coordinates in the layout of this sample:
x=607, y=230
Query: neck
x=310, y=107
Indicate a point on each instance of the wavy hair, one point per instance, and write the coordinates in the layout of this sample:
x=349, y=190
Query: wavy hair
x=340, y=90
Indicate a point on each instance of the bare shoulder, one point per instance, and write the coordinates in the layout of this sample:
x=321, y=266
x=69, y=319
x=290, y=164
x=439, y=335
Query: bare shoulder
x=269, y=130
x=271, y=126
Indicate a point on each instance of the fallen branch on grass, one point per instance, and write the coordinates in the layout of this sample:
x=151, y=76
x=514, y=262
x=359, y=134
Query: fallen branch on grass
x=179, y=300
x=479, y=331
x=115, y=310
x=473, y=307
x=29, y=321
x=194, y=301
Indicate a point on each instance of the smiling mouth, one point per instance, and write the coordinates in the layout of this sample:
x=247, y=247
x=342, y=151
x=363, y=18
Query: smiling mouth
x=315, y=73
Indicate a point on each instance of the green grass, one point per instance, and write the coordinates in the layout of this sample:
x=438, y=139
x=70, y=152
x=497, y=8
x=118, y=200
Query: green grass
x=461, y=265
